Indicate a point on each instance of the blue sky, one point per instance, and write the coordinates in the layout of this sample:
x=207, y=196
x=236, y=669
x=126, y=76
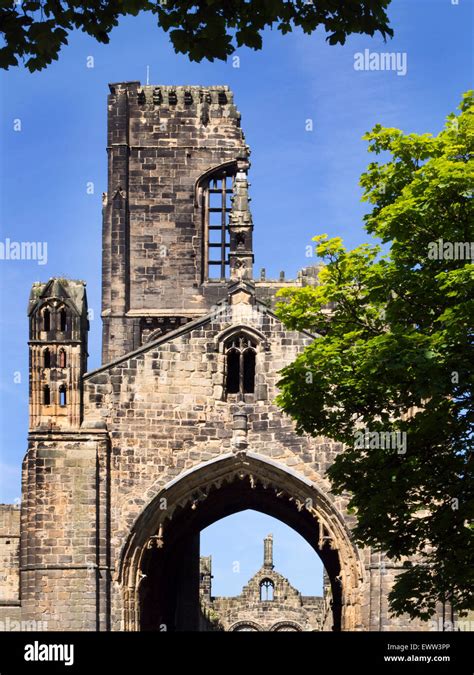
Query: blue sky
x=302, y=182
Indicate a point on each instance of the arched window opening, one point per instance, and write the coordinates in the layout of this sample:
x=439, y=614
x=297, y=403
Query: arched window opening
x=63, y=320
x=62, y=395
x=47, y=358
x=46, y=395
x=216, y=214
x=233, y=369
x=240, y=353
x=249, y=371
x=62, y=358
x=46, y=319
x=267, y=589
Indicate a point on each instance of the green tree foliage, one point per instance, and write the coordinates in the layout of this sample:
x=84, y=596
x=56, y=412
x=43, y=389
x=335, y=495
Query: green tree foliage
x=395, y=354
x=35, y=30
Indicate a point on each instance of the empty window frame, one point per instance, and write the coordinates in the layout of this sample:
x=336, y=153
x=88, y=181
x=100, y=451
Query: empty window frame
x=217, y=207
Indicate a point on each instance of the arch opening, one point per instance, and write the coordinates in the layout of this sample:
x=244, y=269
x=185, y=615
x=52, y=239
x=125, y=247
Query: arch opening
x=160, y=566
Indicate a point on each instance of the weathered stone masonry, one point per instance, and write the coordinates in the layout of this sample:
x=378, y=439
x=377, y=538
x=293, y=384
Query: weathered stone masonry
x=178, y=427
x=162, y=141
x=9, y=565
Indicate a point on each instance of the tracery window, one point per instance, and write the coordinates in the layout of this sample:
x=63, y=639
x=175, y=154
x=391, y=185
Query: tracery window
x=267, y=588
x=240, y=351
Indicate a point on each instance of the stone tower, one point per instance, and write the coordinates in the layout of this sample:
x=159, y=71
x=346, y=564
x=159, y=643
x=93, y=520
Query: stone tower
x=176, y=214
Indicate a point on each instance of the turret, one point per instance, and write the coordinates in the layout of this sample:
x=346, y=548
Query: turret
x=58, y=329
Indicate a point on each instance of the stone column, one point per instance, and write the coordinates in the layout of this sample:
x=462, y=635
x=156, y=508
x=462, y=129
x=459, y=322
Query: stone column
x=268, y=552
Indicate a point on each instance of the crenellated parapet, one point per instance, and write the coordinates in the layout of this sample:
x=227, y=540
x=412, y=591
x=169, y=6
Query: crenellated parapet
x=205, y=102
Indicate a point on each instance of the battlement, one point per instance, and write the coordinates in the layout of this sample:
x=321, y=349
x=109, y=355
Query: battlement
x=171, y=95
x=166, y=101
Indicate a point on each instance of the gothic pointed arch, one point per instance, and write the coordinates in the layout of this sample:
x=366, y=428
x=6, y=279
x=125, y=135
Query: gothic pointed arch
x=240, y=328
x=229, y=484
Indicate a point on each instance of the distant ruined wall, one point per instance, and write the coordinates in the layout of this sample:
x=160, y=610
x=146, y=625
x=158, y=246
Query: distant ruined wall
x=287, y=607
